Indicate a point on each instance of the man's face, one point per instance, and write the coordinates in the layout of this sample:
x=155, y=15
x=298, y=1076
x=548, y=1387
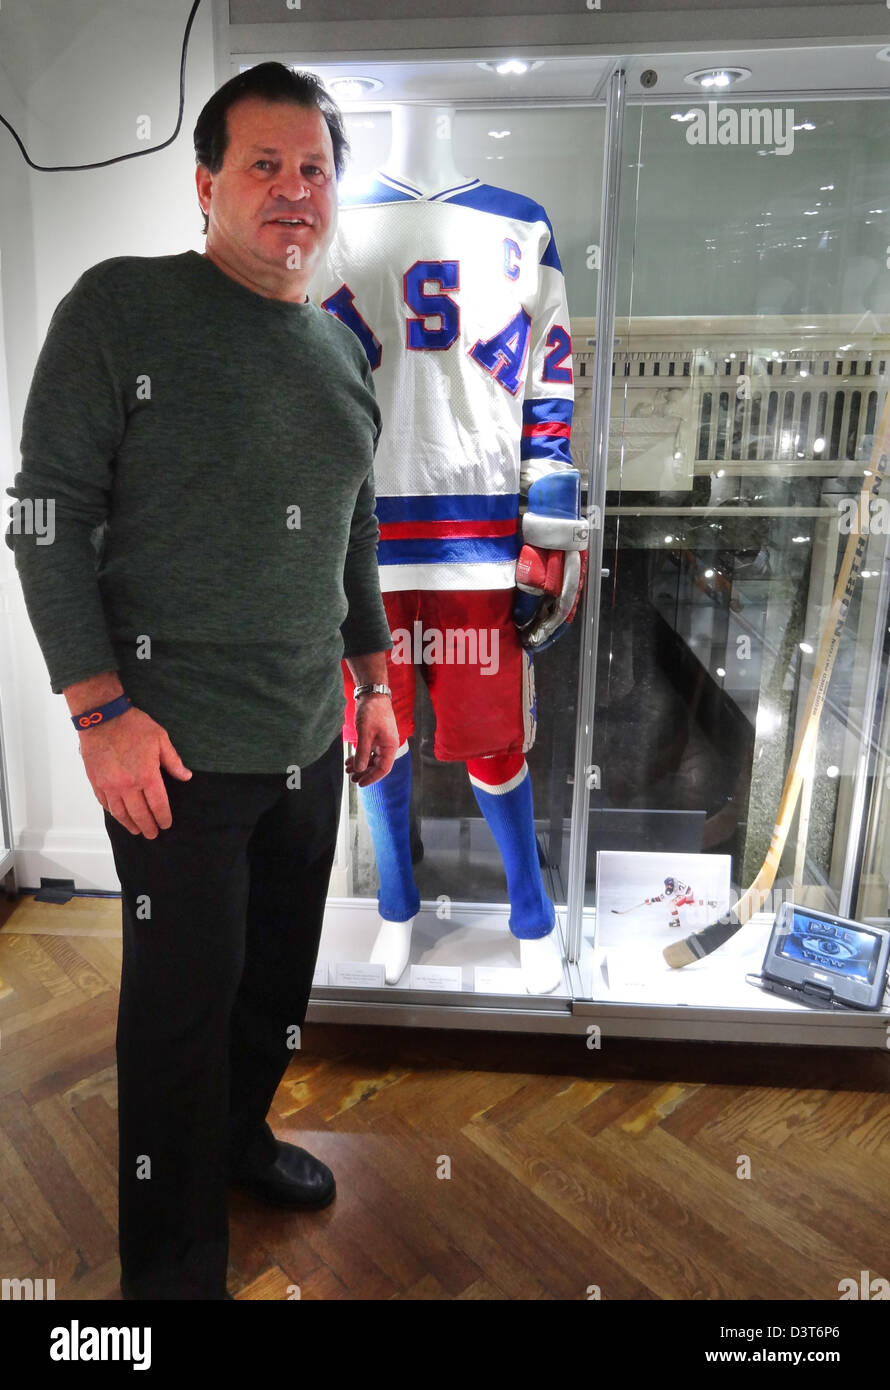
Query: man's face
x=279, y=163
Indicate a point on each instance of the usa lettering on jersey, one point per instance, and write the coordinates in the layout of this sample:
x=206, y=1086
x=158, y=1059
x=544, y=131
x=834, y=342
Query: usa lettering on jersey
x=458, y=300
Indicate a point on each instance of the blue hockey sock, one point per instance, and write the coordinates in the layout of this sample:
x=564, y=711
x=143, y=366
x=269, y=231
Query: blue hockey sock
x=509, y=812
x=387, y=805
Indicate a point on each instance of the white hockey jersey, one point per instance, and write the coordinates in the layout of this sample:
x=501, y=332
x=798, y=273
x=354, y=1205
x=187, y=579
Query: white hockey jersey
x=459, y=301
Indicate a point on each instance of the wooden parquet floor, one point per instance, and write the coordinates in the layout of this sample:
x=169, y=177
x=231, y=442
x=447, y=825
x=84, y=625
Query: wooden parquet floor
x=469, y=1165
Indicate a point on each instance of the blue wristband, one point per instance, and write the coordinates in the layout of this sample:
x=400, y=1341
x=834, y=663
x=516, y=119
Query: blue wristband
x=102, y=714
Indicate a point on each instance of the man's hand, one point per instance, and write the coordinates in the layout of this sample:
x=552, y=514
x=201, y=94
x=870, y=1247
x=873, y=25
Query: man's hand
x=378, y=740
x=123, y=760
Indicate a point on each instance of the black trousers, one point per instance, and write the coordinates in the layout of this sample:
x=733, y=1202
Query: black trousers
x=222, y=916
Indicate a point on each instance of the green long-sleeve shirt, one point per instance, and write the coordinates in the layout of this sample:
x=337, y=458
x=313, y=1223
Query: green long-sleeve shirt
x=202, y=457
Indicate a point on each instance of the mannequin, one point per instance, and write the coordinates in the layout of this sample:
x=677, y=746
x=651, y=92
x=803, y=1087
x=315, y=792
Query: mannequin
x=421, y=152
x=440, y=275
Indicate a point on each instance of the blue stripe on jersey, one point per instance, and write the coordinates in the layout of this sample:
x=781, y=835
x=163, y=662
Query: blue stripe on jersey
x=370, y=194
x=458, y=188
x=472, y=506
x=554, y=449
x=548, y=410
x=402, y=185
x=448, y=552
x=486, y=198
x=385, y=189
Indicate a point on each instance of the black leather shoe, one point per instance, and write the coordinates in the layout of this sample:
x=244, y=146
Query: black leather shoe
x=295, y=1179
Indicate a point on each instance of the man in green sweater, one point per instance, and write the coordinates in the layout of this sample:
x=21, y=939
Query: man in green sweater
x=203, y=436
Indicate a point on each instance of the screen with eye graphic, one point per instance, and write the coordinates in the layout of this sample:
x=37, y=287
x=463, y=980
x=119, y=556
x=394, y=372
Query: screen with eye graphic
x=850, y=951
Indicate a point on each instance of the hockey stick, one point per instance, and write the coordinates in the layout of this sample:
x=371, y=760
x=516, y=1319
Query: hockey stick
x=710, y=938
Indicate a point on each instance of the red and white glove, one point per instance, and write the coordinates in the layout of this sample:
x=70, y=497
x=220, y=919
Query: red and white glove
x=552, y=563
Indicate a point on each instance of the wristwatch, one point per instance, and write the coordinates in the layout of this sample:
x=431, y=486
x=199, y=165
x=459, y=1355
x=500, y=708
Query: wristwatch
x=371, y=690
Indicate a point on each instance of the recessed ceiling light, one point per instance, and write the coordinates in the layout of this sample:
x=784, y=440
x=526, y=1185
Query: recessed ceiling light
x=511, y=66
x=716, y=79
x=353, y=88
x=499, y=134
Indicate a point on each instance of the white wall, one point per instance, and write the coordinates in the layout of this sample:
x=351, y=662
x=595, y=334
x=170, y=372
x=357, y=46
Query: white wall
x=75, y=98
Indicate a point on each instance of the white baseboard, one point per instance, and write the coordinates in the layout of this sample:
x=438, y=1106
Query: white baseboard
x=86, y=857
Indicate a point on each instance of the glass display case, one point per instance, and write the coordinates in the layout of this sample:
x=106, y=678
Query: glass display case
x=725, y=266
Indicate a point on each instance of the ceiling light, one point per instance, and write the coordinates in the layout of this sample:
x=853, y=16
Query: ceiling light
x=716, y=79
x=511, y=66
x=353, y=88
x=499, y=134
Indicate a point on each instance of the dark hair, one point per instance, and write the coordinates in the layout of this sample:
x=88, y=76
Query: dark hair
x=269, y=82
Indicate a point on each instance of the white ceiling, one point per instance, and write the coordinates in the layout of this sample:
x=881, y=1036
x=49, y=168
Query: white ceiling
x=35, y=33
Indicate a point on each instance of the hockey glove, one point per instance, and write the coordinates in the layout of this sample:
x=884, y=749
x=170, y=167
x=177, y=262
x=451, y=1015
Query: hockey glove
x=552, y=563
